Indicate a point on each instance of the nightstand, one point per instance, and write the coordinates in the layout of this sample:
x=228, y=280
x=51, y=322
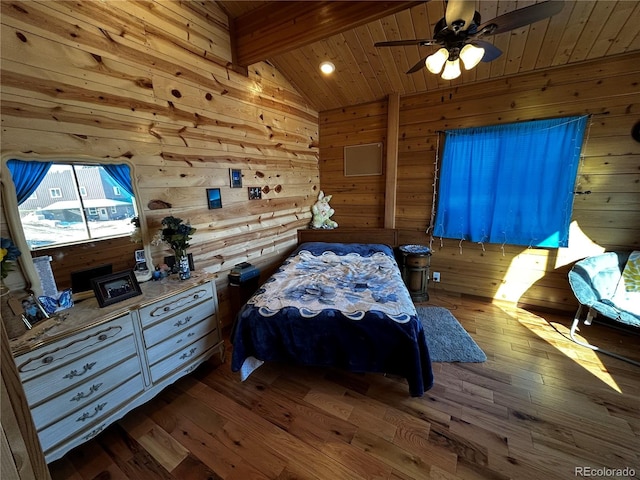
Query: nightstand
x=415, y=270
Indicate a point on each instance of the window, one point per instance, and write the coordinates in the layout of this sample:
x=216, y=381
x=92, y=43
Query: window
x=116, y=191
x=71, y=213
x=510, y=183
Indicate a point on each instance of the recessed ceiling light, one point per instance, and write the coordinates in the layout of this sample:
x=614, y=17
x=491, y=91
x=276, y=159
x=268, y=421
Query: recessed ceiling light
x=327, y=68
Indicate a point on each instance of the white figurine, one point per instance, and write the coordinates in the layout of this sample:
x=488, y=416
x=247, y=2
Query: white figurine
x=322, y=213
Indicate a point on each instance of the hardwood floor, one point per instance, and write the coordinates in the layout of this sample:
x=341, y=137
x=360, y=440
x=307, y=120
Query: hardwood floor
x=540, y=407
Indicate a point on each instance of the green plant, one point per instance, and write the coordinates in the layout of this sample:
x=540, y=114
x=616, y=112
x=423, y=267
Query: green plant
x=176, y=234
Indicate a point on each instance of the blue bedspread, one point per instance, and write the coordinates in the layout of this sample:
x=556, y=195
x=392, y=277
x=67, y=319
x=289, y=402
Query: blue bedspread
x=340, y=305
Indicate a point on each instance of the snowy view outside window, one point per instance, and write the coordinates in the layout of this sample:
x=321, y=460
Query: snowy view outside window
x=57, y=213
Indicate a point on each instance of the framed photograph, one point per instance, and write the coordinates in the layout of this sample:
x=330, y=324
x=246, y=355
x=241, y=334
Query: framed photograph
x=214, y=199
x=140, y=257
x=255, y=193
x=32, y=311
x=235, y=178
x=114, y=288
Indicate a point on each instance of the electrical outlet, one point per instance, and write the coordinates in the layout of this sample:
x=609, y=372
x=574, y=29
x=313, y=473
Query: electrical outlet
x=436, y=277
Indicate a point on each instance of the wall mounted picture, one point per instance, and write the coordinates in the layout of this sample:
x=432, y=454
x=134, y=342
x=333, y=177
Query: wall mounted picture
x=213, y=198
x=235, y=178
x=255, y=193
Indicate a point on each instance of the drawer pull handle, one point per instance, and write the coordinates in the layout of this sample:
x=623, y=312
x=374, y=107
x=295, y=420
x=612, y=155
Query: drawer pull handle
x=187, y=355
x=48, y=359
x=180, y=302
x=183, y=322
x=102, y=337
x=74, y=373
x=81, y=395
x=94, y=432
x=87, y=415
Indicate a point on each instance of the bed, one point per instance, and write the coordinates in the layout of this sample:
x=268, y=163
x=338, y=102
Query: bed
x=334, y=304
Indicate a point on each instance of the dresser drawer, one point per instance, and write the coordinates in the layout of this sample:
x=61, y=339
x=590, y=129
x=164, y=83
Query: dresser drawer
x=168, y=307
x=78, y=372
x=90, y=415
x=175, y=342
x=183, y=357
x=84, y=393
x=175, y=324
x=77, y=348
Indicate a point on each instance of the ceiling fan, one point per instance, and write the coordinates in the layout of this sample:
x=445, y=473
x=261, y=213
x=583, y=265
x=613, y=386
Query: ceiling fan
x=460, y=35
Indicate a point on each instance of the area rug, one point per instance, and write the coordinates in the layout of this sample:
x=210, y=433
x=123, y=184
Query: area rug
x=447, y=340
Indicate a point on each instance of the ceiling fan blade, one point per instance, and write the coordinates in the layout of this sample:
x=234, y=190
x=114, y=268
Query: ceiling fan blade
x=491, y=52
x=405, y=43
x=418, y=66
x=524, y=16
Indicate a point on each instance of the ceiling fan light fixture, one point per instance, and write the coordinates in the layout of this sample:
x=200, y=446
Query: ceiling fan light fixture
x=436, y=61
x=451, y=69
x=327, y=68
x=471, y=55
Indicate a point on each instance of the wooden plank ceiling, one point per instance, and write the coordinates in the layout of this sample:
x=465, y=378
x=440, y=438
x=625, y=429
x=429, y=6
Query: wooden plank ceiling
x=297, y=36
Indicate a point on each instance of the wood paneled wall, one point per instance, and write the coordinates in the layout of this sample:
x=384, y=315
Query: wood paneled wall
x=606, y=219
x=357, y=200
x=151, y=82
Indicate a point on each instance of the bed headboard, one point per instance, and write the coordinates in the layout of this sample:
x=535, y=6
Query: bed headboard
x=388, y=236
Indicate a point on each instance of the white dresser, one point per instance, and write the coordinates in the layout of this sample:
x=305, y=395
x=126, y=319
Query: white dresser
x=89, y=367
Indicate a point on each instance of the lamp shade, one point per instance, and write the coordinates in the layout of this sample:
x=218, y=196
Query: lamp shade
x=471, y=55
x=435, y=62
x=451, y=69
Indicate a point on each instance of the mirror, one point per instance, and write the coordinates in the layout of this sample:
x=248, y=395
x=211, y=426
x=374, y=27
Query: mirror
x=73, y=210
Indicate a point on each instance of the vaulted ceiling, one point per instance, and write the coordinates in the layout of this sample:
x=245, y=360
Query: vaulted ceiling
x=297, y=36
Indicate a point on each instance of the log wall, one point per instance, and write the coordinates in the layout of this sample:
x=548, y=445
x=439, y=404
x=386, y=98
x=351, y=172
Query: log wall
x=605, y=219
x=150, y=82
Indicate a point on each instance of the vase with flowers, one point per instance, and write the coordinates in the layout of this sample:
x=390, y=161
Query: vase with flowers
x=9, y=254
x=177, y=234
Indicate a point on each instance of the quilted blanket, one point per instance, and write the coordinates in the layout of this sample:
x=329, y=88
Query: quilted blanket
x=340, y=305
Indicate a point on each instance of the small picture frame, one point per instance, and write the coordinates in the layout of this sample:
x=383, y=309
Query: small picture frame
x=114, y=288
x=214, y=199
x=235, y=178
x=140, y=257
x=255, y=193
x=32, y=311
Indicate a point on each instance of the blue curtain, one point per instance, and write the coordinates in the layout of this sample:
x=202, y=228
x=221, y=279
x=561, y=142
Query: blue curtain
x=27, y=176
x=510, y=183
x=122, y=175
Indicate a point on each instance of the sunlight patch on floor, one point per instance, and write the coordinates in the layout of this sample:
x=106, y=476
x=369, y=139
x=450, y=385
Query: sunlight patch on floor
x=558, y=337
x=514, y=285
x=587, y=358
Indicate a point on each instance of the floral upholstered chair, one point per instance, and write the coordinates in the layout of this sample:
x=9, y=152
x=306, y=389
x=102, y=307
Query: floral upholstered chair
x=608, y=285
